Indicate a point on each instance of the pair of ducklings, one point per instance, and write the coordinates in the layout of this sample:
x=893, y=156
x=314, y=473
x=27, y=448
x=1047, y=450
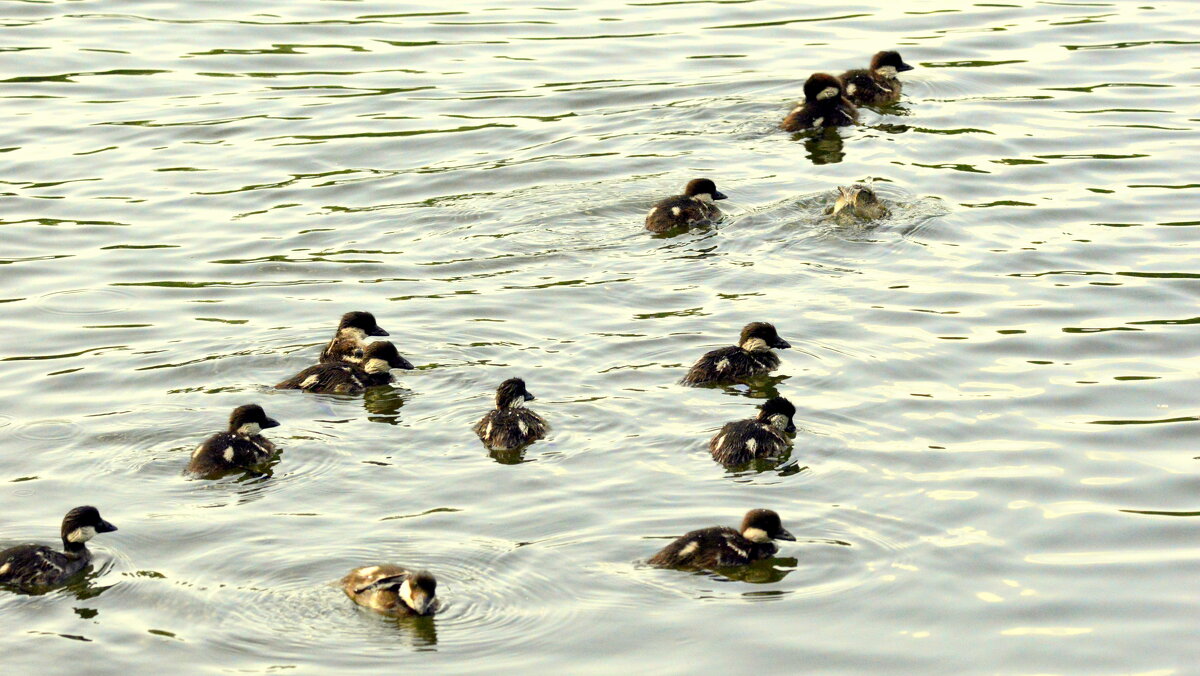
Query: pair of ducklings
x=830, y=100
x=695, y=206
x=390, y=588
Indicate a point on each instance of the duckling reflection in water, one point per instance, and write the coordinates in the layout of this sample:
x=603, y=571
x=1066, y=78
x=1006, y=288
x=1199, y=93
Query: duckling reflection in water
x=857, y=203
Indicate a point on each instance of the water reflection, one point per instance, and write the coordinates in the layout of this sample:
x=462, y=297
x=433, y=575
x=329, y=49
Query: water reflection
x=824, y=146
x=384, y=402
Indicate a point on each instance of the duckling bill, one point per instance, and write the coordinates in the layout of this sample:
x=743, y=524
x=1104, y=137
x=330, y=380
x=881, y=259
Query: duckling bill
x=350, y=338
x=392, y=590
x=510, y=425
x=724, y=547
x=694, y=207
x=876, y=84
x=240, y=447
x=762, y=436
x=751, y=357
x=374, y=369
x=29, y=567
x=825, y=105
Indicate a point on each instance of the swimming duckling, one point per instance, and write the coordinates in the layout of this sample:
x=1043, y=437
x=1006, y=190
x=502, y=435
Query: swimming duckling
x=241, y=447
x=878, y=83
x=724, y=547
x=751, y=357
x=510, y=425
x=857, y=202
x=31, y=566
x=763, y=436
x=392, y=589
x=378, y=360
x=694, y=206
x=350, y=336
x=825, y=105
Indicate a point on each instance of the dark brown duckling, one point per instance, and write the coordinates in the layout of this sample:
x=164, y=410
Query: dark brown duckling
x=858, y=202
x=762, y=436
x=876, y=84
x=350, y=337
x=693, y=207
x=241, y=447
x=510, y=425
x=30, y=567
x=825, y=105
x=724, y=547
x=375, y=369
x=751, y=357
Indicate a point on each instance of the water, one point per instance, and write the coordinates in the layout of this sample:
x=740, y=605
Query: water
x=996, y=468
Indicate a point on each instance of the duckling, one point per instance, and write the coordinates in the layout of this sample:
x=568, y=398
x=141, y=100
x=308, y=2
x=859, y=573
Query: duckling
x=392, y=590
x=763, y=436
x=857, y=202
x=825, y=105
x=30, y=566
x=878, y=83
x=377, y=361
x=751, y=357
x=350, y=336
x=724, y=547
x=694, y=206
x=241, y=447
x=511, y=425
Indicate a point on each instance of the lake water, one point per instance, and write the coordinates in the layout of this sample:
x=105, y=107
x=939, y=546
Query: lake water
x=996, y=469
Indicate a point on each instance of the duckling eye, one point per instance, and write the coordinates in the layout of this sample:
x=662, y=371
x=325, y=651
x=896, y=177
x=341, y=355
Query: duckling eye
x=359, y=353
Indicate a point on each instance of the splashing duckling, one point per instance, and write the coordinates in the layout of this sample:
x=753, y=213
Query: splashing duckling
x=858, y=202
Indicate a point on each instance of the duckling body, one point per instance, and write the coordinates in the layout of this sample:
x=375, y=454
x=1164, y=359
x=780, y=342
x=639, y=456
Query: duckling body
x=876, y=84
x=695, y=206
x=751, y=357
x=28, y=567
x=858, y=202
x=763, y=436
x=240, y=447
x=510, y=425
x=350, y=338
x=825, y=105
x=393, y=590
x=724, y=547
x=377, y=361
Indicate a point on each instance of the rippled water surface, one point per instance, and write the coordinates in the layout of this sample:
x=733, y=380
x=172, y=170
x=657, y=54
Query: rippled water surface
x=996, y=469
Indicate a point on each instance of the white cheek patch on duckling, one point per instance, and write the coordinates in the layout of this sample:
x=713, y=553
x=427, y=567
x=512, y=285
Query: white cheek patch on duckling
x=406, y=594
x=376, y=366
x=756, y=535
x=249, y=429
x=886, y=72
x=779, y=421
x=755, y=345
x=827, y=93
x=81, y=534
x=703, y=198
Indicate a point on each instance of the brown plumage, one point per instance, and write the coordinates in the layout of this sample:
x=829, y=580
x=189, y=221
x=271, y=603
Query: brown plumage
x=825, y=105
x=241, y=447
x=724, y=547
x=693, y=207
x=751, y=357
x=350, y=337
x=876, y=84
x=393, y=590
x=377, y=361
x=510, y=425
x=762, y=436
